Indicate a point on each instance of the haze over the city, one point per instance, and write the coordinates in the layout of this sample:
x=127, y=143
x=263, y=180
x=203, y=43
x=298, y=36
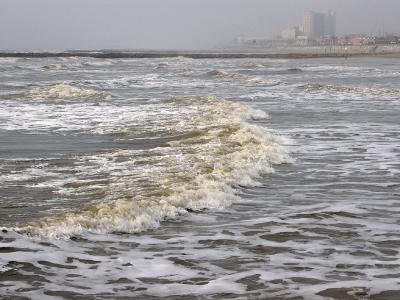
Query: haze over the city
x=174, y=24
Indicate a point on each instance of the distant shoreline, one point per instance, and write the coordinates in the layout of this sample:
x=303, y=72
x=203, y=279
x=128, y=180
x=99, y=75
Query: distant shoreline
x=194, y=55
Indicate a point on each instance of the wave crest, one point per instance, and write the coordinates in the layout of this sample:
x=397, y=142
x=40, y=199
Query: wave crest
x=219, y=73
x=97, y=63
x=243, y=77
x=312, y=87
x=62, y=91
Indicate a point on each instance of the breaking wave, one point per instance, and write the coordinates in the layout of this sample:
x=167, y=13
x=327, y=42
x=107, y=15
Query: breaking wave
x=254, y=65
x=239, y=76
x=8, y=60
x=97, y=63
x=348, y=89
x=61, y=91
x=219, y=73
x=217, y=151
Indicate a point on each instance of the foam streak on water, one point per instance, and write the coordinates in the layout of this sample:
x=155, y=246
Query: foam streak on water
x=164, y=178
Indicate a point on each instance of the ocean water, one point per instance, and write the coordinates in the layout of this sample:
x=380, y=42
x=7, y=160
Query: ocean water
x=178, y=178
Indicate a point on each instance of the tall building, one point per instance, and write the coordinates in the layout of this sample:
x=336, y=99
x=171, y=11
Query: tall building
x=330, y=24
x=318, y=25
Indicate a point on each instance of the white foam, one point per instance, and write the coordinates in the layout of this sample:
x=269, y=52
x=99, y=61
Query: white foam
x=98, y=63
x=61, y=91
x=8, y=60
x=243, y=77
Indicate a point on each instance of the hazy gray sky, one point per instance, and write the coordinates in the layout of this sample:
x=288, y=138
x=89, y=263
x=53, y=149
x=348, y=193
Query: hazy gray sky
x=166, y=24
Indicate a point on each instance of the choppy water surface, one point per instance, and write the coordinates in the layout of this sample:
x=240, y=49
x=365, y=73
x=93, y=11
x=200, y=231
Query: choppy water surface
x=206, y=179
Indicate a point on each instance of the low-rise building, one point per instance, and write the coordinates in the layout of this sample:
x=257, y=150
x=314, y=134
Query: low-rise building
x=291, y=33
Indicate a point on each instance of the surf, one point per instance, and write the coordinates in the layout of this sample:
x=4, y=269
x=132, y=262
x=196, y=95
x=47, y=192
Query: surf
x=217, y=151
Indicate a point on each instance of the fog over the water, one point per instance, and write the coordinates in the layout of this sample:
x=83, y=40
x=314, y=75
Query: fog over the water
x=173, y=24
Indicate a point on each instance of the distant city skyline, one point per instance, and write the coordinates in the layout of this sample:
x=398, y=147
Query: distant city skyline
x=175, y=24
x=316, y=25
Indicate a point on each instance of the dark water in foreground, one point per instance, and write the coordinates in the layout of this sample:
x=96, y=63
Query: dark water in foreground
x=150, y=178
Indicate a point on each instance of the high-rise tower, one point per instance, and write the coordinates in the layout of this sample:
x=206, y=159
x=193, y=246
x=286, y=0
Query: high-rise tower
x=317, y=25
x=330, y=24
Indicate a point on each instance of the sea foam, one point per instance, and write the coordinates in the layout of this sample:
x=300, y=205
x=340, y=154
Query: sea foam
x=314, y=87
x=61, y=91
